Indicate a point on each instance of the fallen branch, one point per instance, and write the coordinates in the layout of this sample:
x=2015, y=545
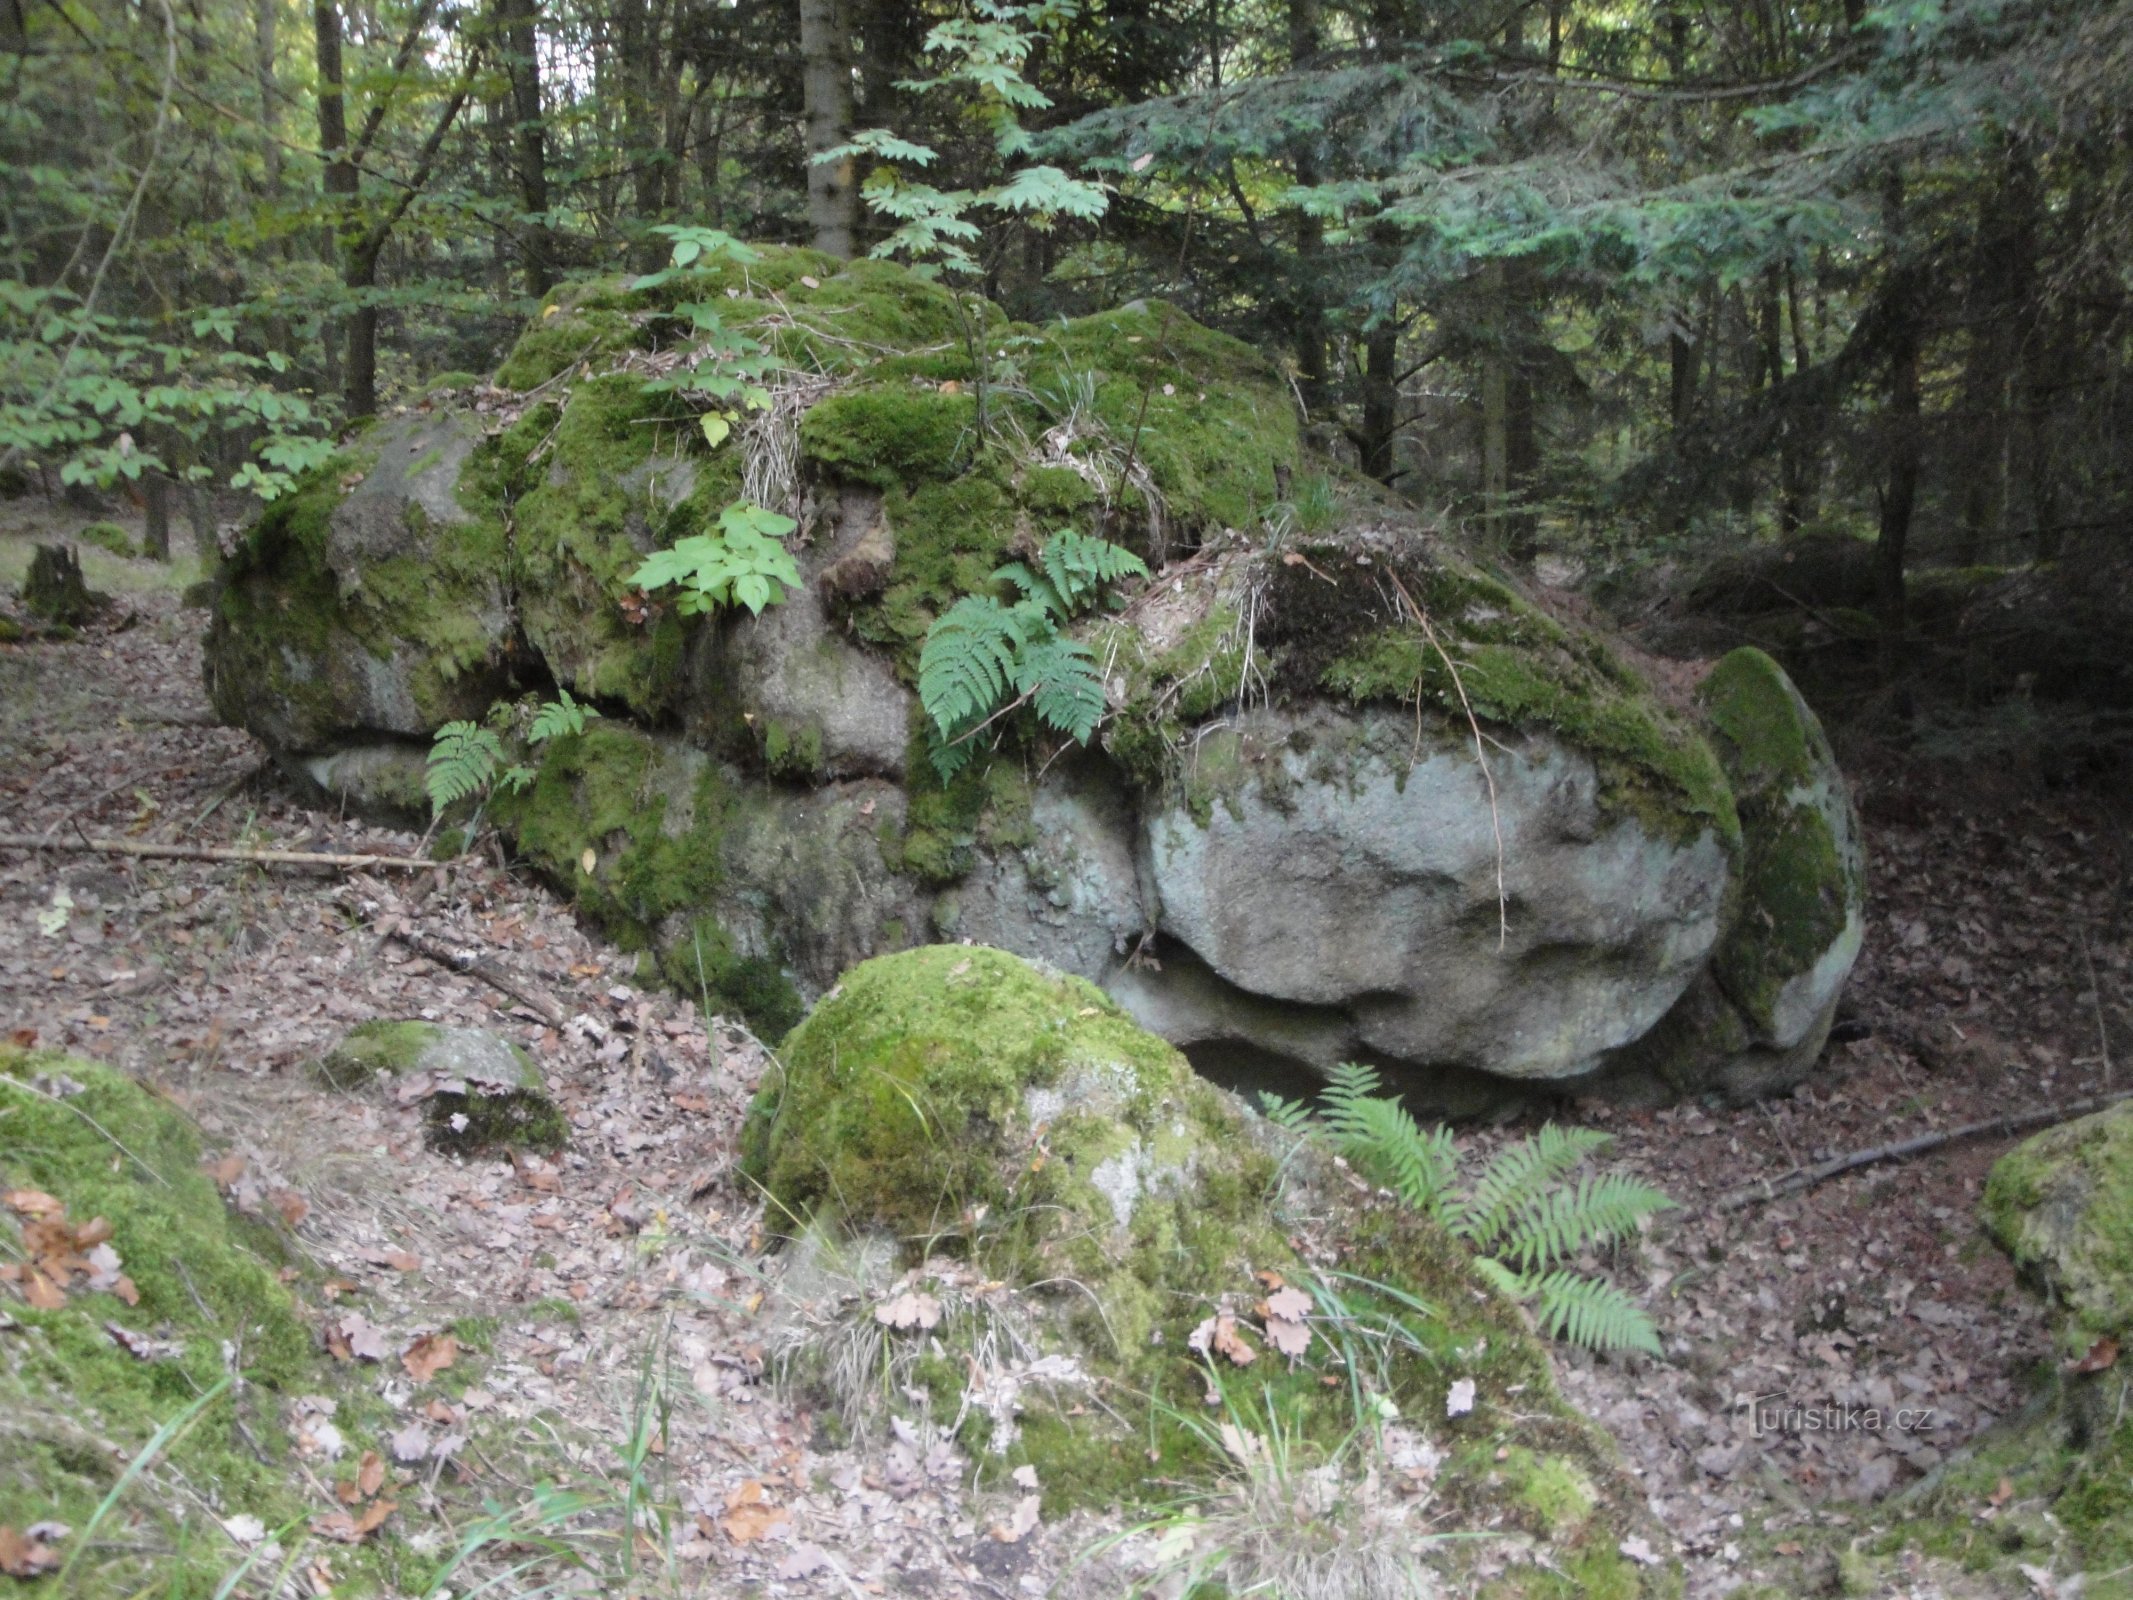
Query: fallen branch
x=475, y=966
x=202, y=852
x=1801, y=1179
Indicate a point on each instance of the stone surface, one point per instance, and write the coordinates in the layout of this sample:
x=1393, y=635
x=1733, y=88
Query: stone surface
x=1348, y=870
x=480, y=1091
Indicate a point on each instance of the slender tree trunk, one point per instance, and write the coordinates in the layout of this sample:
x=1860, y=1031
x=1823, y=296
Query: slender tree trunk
x=1312, y=373
x=340, y=174
x=529, y=138
x=1899, y=494
x=265, y=15
x=826, y=85
x=1381, y=399
x=155, y=527
x=2002, y=274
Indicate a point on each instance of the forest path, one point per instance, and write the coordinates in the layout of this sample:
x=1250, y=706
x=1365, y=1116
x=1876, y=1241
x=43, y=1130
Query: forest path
x=625, y=1277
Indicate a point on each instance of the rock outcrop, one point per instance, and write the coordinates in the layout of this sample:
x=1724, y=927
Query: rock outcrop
x=1285, y=833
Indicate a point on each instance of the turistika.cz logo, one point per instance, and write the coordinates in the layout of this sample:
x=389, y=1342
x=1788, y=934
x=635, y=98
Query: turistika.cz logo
x=1778, y=1413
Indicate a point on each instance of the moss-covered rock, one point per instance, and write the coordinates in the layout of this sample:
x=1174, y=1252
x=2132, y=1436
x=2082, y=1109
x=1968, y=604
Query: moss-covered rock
x=374, y=597
x=186, y=1285
x=2061, y=1203
x=1803, y=879
x=479, y=1092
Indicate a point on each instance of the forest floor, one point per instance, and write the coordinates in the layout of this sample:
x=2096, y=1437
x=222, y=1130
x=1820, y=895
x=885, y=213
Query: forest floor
x=627, y=1278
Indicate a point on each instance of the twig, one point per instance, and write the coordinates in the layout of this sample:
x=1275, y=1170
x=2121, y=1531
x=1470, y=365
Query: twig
x=1801, y=1179
x=191, y=852
x=1481, y=754
x=474, y=966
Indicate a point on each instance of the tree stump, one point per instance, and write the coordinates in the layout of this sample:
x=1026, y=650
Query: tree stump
x=55, y=590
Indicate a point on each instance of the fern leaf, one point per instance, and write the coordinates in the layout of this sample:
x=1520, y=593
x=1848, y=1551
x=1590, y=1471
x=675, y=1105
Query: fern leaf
x=1078, y=564
x=1059, y=675
x=1382, y=1141
x=1592, y=1313
x=559, y=718
x=1292, y=1116
x=967, y=663
x=1034, y=586
x=1518, y=1176
x=1555, y=1226
x=463, y=759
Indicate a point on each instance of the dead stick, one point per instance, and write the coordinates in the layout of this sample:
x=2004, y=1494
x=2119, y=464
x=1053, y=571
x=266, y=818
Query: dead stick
x=1801, y=1179
x=201, y=852
x=475, y=967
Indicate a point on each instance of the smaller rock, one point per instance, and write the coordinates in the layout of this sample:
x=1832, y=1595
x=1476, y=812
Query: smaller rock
x=481, y=1092
x=2061, y=1204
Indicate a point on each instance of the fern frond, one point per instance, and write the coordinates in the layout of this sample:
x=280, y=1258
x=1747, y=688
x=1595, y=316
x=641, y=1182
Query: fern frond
x=559, y=718
x=1059, y=675
x=967, y=663
x=1382, y=1141
x=1591, y=1312
x=463, y=760
x=1035, y=587
x=1292, y=1116
x=1078, y=564
x=1555, y=1226
x=1518, y=1176
x=1348, y=1083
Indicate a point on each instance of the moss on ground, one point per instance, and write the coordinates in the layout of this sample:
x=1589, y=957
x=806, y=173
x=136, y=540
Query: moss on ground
x=500, y=1100
x=109, y=536
x=75, y=1406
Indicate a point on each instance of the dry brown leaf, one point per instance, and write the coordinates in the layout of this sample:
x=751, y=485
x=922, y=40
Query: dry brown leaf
x=910, y=1309
x=1292, y=1339
x=24, y=1557
x=41, y=1292
x=750, y=1515
x=226, y=1171
x=33, y=1203
x=1021, y=1524
x=429, y=1355
x=2102, y=1356
x=370, y=1474
x=1291, y=1305
x=1229, y=1342
x=292, y=1206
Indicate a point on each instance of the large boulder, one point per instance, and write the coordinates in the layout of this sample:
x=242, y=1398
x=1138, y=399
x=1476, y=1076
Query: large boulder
x=1353, y=794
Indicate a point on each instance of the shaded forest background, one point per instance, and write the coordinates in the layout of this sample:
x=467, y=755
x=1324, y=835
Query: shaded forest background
x=1633, y=290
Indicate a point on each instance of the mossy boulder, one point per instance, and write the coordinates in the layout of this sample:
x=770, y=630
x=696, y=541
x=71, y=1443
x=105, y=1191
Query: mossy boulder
x=118, y=1338
x=1036, y=1225
x=1803, y=875
x=373, y=599
x=2061, y=1203
x=110, y=537
x=1281, y=834
x=480, y=1092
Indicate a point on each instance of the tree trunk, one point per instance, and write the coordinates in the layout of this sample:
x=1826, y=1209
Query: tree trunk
x=1899, y=495
x=826, y=85
x=1312, y=375
x=340, y=176
x=2002, y=275
x=529, y=138
x=54, y=588
x=155, y=527
x=1381, y=399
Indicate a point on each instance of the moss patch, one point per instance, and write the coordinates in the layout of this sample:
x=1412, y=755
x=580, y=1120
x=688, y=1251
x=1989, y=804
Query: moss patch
x=2061, y=1203
x=108, y=536
x=891, y=435
x=78, y=1406
x=485, y=1093
x=1341, y=625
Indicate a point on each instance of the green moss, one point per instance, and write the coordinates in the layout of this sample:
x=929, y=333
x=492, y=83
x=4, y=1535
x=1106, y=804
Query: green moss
x=78, y=1405
x=108, y=536
x=1207, y=415
x=891, y=436
x=652, y=818
x=2061, y=1203
x=950, y=538
x=724, y=982
x=372, y=1050
x=626, y=474
x=484, y=1115
x=1753, y=707
x=946, y=824
x=572, y=330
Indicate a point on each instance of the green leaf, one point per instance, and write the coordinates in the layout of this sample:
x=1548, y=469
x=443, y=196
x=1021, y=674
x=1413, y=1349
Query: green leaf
x=716, y=428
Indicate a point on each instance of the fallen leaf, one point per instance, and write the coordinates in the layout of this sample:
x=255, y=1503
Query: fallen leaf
x=1639, y=1550
x=910, y=1309
x=810, y=281
x=802, y=1561
x=750, y=1515
x=370, y=1474
x=226, y=1171
x=429, y=1355
x=33, y=1203
x=1019, y=1526
x=1291, y=1304
x=41, y=1292
x=24, y=1557
x=1025, y=1477
x=1229, y=1342
x=1292, y=1339
x=2002, y=1492
x=1459, y=1399
x=245, y=1528
x=2102, y=1356
x=354, y=1337
x=292, y=1206
x=411, y=1443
